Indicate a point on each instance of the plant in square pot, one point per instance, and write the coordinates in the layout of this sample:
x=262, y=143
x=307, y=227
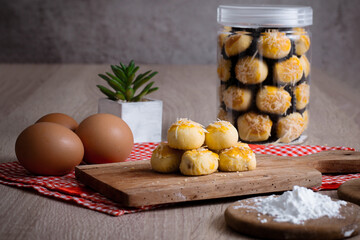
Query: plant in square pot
x=143, y=115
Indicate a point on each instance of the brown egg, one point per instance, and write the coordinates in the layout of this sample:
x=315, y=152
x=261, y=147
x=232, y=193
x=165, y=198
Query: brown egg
x=106, y=138
x=60, y=118
x=49, y=149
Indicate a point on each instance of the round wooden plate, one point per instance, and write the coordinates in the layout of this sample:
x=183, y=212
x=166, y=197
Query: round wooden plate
x=250, y=222
x=350, y=191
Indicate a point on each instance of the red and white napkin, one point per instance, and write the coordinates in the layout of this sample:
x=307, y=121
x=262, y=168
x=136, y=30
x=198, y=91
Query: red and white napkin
x=69, y=189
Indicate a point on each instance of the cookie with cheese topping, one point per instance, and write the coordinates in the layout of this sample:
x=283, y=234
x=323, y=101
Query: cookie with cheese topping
x=220, y=135
x=198, y=162
x=305, y=116
x=241, y=144
x=273, y=100
x=165, y=159
x=237, y=43
x=289, y=71
x=185, y=134
x=236, y=98
x=237, y=158
x=305, y=64
x=302, y=95
x=221, y=90
x=274, y=44
x=223, y=69
x=302, y=41
x=290, y=127
x=223, y=35
x=225, y=116
x=253, y=127
x=251, y=70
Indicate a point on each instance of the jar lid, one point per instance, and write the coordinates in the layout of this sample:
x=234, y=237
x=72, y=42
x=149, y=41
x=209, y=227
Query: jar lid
x=264, y=15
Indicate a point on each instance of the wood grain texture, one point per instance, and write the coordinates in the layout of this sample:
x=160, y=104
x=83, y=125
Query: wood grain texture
x=248, y=221
x=136, y=184
x=350, y=191
x=325, y=162
x=30, y=91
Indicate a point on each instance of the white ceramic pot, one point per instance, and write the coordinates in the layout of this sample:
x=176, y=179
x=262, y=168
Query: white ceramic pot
x=144, y=118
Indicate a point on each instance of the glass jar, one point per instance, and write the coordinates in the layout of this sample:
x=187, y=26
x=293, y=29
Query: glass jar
x=264, y=71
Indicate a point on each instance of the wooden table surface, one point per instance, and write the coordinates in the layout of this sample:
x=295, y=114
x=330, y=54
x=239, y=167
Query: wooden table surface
x=29, y=91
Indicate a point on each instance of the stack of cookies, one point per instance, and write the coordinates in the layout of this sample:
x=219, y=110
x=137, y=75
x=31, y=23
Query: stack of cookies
x=195, y=151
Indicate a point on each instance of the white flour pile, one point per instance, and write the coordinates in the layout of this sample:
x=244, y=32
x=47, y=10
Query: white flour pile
x=296, y=206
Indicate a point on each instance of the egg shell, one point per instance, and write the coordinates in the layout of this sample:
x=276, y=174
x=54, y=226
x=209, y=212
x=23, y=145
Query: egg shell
x=106, y=138
x=49, y=149
x=60, y=118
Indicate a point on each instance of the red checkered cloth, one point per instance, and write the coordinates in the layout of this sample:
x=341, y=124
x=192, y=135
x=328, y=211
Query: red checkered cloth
x=69, y=189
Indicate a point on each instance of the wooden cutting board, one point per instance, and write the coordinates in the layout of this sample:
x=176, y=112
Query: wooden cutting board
x=350, y=191
x=135, y=184
x=250, y=222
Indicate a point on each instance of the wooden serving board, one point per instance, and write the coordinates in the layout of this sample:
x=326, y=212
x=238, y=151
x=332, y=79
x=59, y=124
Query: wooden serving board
x=250, y=222
x=135, y=184
x=350, y=191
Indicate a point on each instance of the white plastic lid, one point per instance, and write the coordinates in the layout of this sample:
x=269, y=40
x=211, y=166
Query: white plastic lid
x=264, y=16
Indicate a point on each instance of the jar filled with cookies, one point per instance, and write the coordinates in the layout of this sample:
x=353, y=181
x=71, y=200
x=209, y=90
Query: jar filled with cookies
x=264, y=71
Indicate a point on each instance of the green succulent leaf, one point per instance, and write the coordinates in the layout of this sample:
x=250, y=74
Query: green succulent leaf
x=141, y=76
x=132, y=74
x=115, y=78
x=116, y=85
x=129, y=94
x=143, y=92
x=120, y=95
x=119, y=73
x=104, y=77
x=132, y=63
x=152, y=90
x=110, y=94
x=144, y=80
x=111, y=76
x=123, y=67
x=130, y=68
x=124, y=81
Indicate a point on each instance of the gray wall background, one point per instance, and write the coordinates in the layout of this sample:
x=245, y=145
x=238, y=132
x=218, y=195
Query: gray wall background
x=158, y=32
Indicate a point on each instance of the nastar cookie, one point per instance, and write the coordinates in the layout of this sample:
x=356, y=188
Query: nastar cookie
x=236, y=98
x=253, y=127
x=237, y=43
x=237, y=158
x=290, y=127
x=165, y=159
x=273, y=100
x=185, y=134
x=220, y=135
x=274, y=44
x=251, y=70
x=198, y=162
x=289, y=71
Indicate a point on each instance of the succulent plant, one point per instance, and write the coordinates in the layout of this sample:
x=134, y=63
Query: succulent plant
x=125, y=84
